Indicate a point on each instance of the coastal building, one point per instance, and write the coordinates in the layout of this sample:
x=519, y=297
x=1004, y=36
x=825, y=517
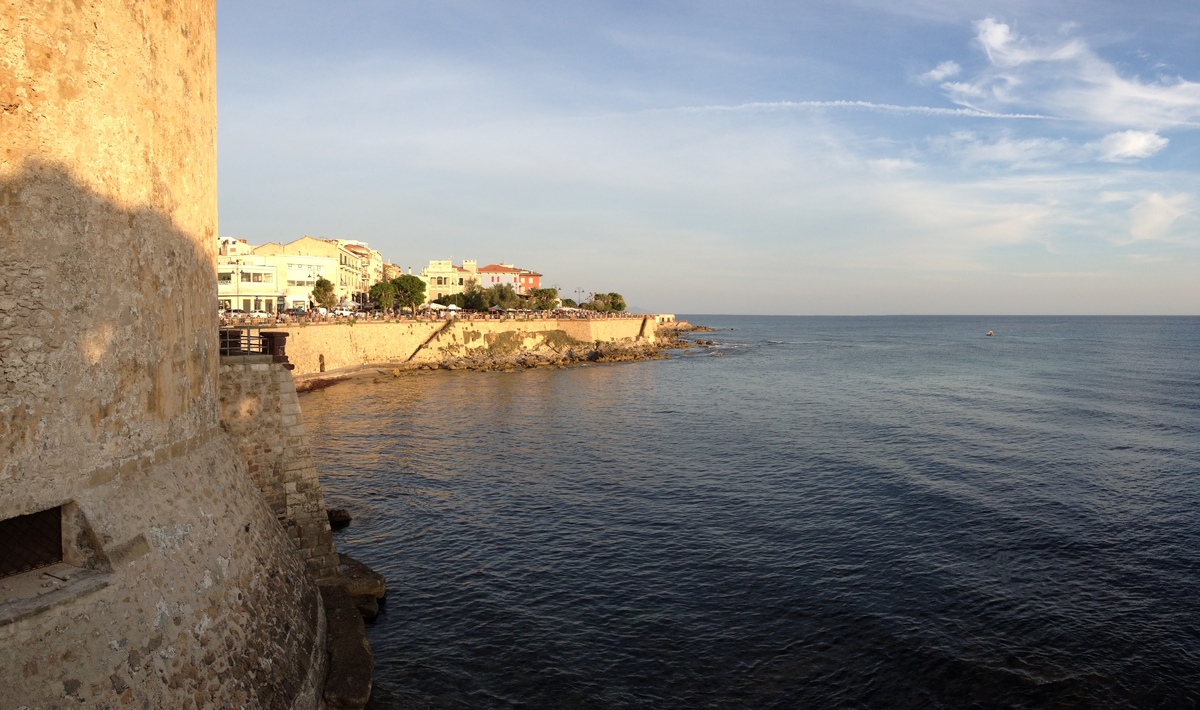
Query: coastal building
x=231, y=246
x=250, y=283
x=370, y=268
x=342, y=266
x=391, y=271
x=276, y=276
x=299, y=277
x=522, y=280
x=443, y=278
x=529, y=281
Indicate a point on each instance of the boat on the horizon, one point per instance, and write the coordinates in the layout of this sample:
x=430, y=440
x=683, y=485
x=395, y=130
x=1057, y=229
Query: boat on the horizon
x=990, y=334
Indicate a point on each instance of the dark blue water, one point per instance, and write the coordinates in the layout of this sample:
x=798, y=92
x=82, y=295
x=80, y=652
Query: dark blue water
x=820, y=512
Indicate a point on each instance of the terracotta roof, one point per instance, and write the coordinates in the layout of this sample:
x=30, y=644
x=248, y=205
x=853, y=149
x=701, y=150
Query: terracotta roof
x=499, y=269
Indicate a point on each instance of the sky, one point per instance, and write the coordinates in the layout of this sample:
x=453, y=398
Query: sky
x=752, y=156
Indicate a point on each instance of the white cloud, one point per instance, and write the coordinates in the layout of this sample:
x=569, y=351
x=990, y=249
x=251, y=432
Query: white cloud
x=970, y=149
x=1065, y=78
x=892, y=165
x=961, y=89
x=1154, y=217
x=1129, y=145
x=1005, y=49
x=1120, y=147
x=941, y=72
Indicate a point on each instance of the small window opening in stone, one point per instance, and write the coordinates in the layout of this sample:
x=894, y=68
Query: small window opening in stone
x=31, y=541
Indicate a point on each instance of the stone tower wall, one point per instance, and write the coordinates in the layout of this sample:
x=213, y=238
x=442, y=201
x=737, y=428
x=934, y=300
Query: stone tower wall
x=260, y=409
x=180, y=589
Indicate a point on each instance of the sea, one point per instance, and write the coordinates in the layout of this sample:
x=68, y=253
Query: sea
x=813, y=512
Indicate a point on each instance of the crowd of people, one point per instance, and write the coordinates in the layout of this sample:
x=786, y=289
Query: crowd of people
x=421, y=315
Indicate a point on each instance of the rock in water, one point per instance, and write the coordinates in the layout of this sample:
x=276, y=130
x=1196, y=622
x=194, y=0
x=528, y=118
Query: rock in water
x=338, y=518
x=364, y=585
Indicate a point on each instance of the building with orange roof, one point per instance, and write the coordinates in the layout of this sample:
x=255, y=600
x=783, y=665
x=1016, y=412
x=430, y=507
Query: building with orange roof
x=522, y=280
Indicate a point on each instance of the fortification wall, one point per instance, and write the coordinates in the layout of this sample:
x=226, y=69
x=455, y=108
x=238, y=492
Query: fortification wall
x=260, y=410
x=341, y=345
x=108, y=187
x=194, y=599
x=178, y=587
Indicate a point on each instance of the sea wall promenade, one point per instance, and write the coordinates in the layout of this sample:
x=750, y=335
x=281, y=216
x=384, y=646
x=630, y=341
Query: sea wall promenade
x=324, y=347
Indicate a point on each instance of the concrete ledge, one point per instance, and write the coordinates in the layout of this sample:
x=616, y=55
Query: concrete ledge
x=23, y=596
x=251, y=359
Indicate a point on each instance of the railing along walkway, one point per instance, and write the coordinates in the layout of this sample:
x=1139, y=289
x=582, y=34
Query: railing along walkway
x=233, y=342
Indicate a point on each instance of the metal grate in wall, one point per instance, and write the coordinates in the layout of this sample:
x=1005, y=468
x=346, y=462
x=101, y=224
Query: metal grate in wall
x=30, y=541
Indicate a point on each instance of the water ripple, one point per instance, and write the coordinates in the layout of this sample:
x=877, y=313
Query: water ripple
x=836, y=512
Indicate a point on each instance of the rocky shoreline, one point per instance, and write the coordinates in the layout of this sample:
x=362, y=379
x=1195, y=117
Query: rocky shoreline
x=674, y=328
x=668, y=338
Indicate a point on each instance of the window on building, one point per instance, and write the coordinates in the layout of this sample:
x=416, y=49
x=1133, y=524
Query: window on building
x=224, y=277
x=28, y=542
x=245, y=277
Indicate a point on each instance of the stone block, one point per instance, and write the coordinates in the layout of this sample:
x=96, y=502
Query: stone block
x=351, y=665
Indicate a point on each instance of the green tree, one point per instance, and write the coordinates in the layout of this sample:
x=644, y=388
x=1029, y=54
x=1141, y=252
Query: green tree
x=605, y=303
x=473, y=296
x=502, y=295
x=544, y=298
x=569, y=303
x=323, y=293
x=410, y=291
x=456, y=299
x=384, y=295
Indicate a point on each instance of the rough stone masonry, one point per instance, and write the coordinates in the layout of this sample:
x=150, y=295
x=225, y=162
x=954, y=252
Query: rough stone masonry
x=177, y=586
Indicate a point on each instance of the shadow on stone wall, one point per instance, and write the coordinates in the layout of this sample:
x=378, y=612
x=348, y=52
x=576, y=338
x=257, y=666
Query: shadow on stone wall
x=107, y=327
x=109, y=407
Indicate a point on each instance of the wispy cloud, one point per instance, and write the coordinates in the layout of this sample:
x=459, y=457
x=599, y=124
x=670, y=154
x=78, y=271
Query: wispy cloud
x=941, y=72
x=968, y=148
x=1129, y=145
x=1066, y=78
x=1005, y=49
x=1154, y=217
